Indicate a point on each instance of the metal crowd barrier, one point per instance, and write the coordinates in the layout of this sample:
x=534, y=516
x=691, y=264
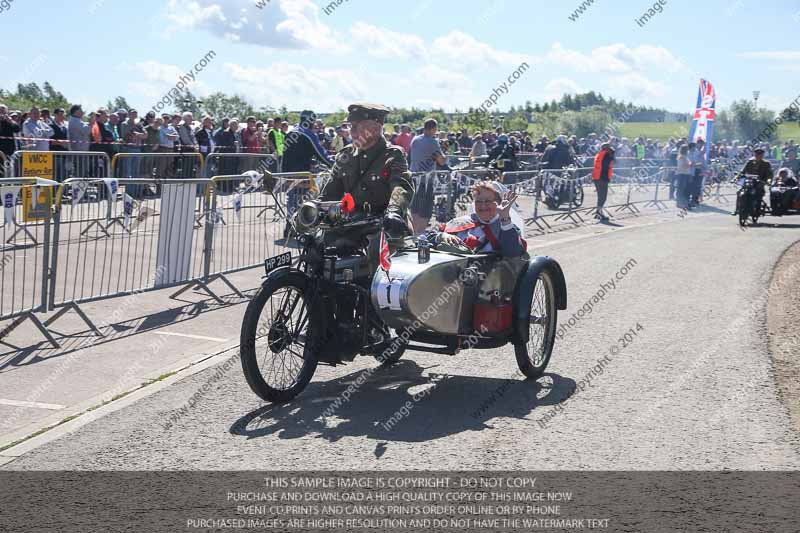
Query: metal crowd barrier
x=239, y=232
x=114, y=244
x=158, y=166
x=219, y=164
x=60, y=165
x=25, y=251
x=647, y=186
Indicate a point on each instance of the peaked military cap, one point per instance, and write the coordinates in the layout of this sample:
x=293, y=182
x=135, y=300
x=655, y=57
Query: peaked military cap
x=363, y=111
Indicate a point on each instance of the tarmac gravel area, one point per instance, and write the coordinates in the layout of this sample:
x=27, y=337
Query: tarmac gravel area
x=695, y=388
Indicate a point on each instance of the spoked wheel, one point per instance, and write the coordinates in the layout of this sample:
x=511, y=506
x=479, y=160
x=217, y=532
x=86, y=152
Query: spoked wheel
x=743, y=208
x=577, y=198
x=533, y=356
x=277, y=339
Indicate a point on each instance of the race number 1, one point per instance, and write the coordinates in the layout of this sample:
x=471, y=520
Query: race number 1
x=388, y=293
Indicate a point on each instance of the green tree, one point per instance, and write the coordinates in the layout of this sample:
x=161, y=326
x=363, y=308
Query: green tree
x=743, y=121
x=189, y=102
x=118, y=103
x=593, y=120
x=54, y=98
x=219, y=106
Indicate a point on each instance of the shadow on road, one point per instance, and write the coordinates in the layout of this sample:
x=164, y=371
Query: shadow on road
x=400, y=404
x=72, y=342
x=705, y=208
x=778, y=226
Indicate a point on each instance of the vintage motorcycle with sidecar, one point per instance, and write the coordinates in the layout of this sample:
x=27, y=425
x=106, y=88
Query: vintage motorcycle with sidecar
x=328, y=305
x=784, y=196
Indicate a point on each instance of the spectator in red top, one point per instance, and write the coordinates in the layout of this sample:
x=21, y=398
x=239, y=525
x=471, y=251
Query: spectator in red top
x=251, y=137
x=405, y=138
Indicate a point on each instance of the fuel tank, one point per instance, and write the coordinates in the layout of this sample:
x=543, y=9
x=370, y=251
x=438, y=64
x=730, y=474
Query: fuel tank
x=438, y=295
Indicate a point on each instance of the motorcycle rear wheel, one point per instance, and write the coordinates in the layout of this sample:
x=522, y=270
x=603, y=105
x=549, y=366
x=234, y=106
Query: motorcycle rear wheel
x=277, y=339
x=534, y=355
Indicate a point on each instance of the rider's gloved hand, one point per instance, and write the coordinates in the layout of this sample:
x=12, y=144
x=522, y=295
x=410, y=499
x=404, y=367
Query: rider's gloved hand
x=394, y=222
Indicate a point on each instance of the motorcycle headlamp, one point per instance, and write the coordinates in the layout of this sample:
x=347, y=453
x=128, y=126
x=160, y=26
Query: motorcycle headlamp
x=312, y=214
x=308, y=215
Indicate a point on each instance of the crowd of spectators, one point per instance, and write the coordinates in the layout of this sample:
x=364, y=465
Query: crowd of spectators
x=123, y=131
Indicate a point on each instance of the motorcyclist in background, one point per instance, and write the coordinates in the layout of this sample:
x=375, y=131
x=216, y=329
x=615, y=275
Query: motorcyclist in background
x=503, y=156
x=760, y=167
x=558, y=155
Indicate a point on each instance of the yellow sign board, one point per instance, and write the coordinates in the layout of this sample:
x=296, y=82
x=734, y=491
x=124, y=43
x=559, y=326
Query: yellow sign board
x=37, y=164
x=38, y=208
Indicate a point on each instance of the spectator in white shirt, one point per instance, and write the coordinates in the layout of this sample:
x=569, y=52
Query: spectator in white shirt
x=36, y=132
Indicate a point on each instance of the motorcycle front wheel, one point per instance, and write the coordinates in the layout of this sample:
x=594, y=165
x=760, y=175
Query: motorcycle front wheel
x=277, y=338
x=534, y=355
x=743, y=208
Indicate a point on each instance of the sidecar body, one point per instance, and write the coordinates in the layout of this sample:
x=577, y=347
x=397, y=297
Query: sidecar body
x=452, y=296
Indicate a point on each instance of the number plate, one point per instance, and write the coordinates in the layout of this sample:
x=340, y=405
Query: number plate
x=278, y=261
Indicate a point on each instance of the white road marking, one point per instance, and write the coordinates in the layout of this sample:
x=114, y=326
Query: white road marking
x=198, y=337
x=37, y=405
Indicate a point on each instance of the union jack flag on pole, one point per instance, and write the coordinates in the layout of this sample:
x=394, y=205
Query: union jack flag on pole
x=703, y=122
x=385, y=254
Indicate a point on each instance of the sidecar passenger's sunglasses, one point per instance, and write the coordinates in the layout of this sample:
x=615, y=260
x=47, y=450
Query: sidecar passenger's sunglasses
x=485, y=202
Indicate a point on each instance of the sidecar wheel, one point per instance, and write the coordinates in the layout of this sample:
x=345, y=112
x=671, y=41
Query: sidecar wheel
x=533, y=356
x=277, y=339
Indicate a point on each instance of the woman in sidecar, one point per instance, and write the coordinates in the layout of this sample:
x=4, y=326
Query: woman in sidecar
x=784, y=193
x=490, y=228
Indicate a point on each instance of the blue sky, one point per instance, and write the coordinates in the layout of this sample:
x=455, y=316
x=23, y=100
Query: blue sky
x=415, y=53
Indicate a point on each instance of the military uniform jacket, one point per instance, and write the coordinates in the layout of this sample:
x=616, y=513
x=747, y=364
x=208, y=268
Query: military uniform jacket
x=376, y=178
x=761, y=168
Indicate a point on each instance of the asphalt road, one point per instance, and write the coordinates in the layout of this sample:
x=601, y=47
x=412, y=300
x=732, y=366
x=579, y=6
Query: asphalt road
x=694, y=389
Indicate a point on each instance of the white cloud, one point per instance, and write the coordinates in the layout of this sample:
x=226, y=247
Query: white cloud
x=291, y=24
x=459, y=47
x=153, y=79
x=443, y=79
x=557, y=87
x=159, y=72
x=144, y=89
x=380, y=42
x=783, y=55
x=297, y=86
x=638, y=87
x=615, y=58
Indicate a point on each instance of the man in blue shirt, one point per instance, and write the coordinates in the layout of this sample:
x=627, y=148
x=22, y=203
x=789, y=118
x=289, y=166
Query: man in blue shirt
x=425, y=154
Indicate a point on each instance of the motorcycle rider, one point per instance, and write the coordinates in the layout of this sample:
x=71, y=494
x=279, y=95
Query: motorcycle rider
x=556, y=157
x=760, y=167
x=374, y=172
x=503, y=156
